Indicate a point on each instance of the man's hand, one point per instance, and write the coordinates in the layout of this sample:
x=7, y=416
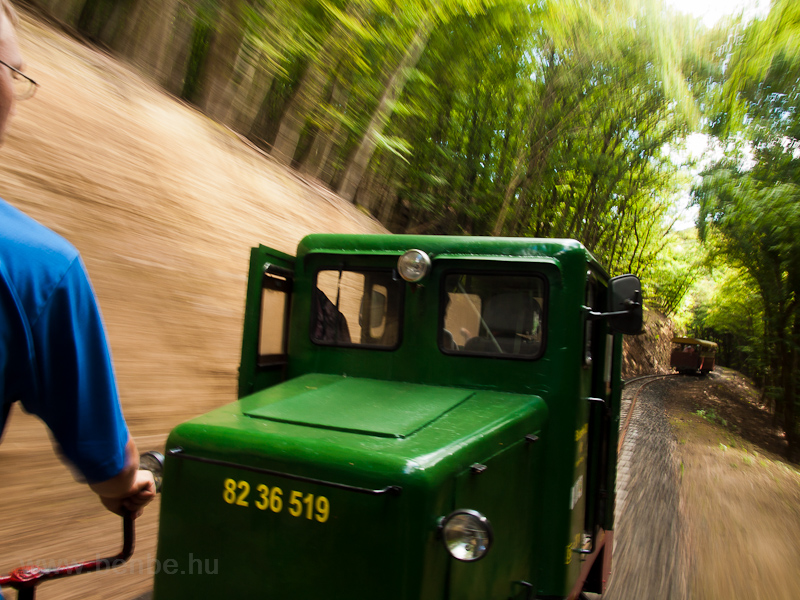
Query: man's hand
x=131, y=489
x=138, y=496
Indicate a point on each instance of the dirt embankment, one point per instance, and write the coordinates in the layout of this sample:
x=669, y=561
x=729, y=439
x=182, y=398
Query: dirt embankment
x=164, y=205
x=649, y=352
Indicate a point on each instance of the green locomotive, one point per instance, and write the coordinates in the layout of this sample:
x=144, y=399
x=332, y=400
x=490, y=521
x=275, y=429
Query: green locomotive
x=419, y=417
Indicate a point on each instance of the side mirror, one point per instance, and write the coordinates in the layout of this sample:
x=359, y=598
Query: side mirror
x=625, y=304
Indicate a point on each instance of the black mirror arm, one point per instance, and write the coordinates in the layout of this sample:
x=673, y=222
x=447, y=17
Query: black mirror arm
x=593, y=316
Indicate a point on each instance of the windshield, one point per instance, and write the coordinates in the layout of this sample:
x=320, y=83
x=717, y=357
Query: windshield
x=487, y=314
x=357, y=308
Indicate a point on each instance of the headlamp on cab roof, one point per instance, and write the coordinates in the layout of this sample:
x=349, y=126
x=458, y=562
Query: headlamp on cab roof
x=413, y=265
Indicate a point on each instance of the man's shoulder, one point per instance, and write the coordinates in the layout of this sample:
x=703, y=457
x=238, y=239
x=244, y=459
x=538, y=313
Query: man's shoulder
x=26, y=244
x=33, y=259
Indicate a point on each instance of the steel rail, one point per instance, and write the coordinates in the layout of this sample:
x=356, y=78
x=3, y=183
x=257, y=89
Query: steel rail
x=652, y=378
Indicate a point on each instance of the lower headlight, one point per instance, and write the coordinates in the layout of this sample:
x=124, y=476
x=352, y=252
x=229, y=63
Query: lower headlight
x=467, y=535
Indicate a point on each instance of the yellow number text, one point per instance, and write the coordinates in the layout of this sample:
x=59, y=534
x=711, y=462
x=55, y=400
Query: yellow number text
x=299, y=504
x=263, y=503
x=295, y=505
x=323, y=509
x=229, y=492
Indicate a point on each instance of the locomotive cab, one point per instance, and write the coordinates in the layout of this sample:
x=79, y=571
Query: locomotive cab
x=418, y=417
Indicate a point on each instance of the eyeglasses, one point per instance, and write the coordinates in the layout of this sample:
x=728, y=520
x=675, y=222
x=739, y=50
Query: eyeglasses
x=24, y=86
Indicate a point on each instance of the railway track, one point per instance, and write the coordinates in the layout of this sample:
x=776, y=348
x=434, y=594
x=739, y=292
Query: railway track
x=647, y=505
x=628, y=408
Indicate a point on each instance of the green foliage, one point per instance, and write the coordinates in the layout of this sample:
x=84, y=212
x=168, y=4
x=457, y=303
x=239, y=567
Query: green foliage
x=680, y=263
x=729, y=308
x=503, y=117
x=397, y=146
x=552, y=118
x=554, y=124
x=713, y=417
x=750, y=200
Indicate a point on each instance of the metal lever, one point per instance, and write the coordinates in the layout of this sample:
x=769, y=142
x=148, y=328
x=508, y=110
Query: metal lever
x=25, y=579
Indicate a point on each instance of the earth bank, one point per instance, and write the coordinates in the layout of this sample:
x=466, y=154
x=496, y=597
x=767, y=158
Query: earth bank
x=164, y=206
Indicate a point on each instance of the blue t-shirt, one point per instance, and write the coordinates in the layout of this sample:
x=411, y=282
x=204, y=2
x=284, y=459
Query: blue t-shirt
x=54, y=357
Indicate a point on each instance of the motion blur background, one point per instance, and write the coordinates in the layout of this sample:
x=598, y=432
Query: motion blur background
x=170, y=136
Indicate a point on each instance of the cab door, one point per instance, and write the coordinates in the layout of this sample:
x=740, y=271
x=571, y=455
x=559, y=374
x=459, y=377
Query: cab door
x=598, y=354
x=265, y=353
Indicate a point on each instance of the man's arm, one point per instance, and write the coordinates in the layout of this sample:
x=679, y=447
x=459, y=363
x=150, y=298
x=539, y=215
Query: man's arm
x=131, y=489
x=76, y=395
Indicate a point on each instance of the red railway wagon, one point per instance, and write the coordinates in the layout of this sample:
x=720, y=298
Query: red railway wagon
x=691, y=355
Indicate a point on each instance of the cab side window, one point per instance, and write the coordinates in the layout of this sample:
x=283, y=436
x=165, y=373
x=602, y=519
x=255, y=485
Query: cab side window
x=356, y=308
x=493, y=315
x=276, y=288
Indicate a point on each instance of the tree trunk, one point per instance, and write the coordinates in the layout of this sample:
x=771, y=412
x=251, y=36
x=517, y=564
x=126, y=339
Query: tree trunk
x=575, y=229
x=317, y=162
x=145, y=40
x=66, y=11
x=246, y=104
x=310, y=89
x=294, y=118
x=388, y=200
x=172, y=63
x=502, y=167
x=215, y=99
x=788, y=362
x=117, y=22
x=361, y=157
x=510, y=192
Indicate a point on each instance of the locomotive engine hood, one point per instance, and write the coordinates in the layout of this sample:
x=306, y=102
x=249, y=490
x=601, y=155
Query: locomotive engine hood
x=363, y=432
x=371, y=407
x=370, y=464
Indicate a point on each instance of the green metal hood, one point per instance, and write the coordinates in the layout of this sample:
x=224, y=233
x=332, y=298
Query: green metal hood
x=351, y=467
x=367, y=406
x=363, y=431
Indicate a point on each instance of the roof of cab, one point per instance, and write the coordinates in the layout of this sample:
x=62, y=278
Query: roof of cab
x=440, y=246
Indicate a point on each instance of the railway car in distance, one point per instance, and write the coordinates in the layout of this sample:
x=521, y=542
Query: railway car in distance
x=691, y=355
x=419, y=417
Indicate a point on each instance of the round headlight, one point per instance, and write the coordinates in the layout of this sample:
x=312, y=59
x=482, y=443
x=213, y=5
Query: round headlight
x=413, y=265
x=467, y=535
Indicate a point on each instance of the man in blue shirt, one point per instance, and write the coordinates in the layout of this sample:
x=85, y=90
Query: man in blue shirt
x=54, y=357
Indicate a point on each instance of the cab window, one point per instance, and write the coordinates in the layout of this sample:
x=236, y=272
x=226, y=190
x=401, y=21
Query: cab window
x=276, y=289
x=356, y=308
x=493, y=315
